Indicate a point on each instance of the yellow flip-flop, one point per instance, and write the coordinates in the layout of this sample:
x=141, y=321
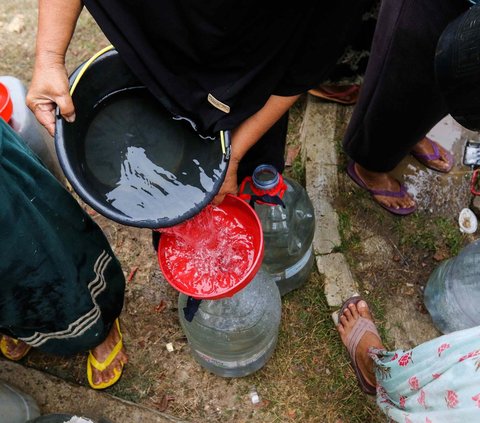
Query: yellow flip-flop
x=101, y=366
x=4, y=348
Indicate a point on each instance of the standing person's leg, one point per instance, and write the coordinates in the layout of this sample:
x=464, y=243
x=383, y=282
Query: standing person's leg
x=400, y=100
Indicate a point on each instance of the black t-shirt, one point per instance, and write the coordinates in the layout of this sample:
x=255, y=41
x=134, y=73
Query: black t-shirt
x=216, y=62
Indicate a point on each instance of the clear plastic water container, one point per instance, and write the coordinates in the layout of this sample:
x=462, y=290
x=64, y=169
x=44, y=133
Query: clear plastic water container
x=61, y=418
x=288, y=223
x=234, y=337
x=452, y=293
x=25, y=124
x=16, y=406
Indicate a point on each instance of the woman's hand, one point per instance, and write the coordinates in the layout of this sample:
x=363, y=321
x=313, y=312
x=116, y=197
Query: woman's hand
x=247, y=134
x=230, y=185
x=49, y=89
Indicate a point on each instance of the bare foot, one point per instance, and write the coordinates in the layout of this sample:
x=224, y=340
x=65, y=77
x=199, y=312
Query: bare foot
x=384, y=182
x=425, y=147
x=102, y=351
x=346, y=322
x=14, y=349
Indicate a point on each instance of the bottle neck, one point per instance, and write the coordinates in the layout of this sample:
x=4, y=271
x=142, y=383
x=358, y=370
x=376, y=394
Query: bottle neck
x=266, y=178
x=265, y=186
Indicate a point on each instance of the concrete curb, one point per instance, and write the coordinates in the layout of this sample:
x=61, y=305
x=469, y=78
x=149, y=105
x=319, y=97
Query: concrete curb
x=319, y=145
x=54, y=395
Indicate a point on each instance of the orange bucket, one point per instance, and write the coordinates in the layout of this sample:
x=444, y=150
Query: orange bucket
x=6, y=107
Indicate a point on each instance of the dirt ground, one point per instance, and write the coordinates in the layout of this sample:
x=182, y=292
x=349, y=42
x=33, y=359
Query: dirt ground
x=309, y=378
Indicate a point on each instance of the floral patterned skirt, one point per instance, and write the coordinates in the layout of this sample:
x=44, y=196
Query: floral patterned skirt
x=435, y=382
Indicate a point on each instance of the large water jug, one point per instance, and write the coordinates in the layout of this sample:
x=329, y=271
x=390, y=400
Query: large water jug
x=452, y=293
x=234, y=337
x=288, y=224
x=15, y=405
x=61, y=418
x=26, y=125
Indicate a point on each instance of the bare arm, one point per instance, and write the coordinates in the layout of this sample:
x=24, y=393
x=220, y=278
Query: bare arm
x=56, y=23
x=248, y=133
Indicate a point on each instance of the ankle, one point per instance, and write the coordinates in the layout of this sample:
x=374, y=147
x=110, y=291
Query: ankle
x=369, y=175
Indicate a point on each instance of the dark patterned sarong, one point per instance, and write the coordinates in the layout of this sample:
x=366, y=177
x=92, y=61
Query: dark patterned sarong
x=61, y=285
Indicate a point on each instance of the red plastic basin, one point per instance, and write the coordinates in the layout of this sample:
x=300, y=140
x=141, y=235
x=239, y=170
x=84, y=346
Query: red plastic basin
x=235, y=210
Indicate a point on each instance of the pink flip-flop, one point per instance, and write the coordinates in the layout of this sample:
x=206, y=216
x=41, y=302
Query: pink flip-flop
x=426, y=159
x=402, y=211
x=361, y=326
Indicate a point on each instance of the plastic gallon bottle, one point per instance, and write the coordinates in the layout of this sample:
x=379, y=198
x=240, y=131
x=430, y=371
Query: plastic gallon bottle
x=24, y=123
x=61, y=418
x=288, y=224
x=234, y=337
x=15, y=405
x=452, y=293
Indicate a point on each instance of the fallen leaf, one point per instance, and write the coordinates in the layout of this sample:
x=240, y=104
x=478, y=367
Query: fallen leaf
x=162, y=405
x=291, y=413
x=132, y=273
x=17, y=24
x=292, y=153
x=440, y=255
x=162, y=305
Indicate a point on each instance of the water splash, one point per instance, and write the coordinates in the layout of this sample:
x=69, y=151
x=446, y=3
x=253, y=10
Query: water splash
x=210, y=253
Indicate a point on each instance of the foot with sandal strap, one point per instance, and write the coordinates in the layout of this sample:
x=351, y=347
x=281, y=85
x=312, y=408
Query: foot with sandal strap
x=104, y=364
x=13, y=349
x=387, y=191
x=358, y=334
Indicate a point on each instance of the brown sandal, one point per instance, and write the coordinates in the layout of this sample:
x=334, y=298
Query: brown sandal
x=343, y=94
x=361, y=326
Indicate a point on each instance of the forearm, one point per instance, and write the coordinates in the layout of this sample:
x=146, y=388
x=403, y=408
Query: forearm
x=253, y=128
x=247, y=134
x=56, y=23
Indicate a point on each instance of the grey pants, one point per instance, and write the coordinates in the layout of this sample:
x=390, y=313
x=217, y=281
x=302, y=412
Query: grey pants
x=400, y=100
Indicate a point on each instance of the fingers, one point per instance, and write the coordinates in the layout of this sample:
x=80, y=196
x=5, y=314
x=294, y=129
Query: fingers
x=65, y=105
x=45, y=114
x=49, y=89
x=229, y=186
x=218, y=199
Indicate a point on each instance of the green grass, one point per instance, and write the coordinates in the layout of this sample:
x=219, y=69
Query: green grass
x=350, y=239
x=430, y=234
x=452, y=237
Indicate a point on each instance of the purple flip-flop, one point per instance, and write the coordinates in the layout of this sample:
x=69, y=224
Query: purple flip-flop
x=402, y=211
x=425, y=159
x=359, y=329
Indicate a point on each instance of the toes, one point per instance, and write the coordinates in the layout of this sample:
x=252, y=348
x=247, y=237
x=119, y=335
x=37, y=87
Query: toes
x=353, y=310
x=96, y=376
x=348, y=314
x=363, y=310
x=405, y=202
x=108, y=374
